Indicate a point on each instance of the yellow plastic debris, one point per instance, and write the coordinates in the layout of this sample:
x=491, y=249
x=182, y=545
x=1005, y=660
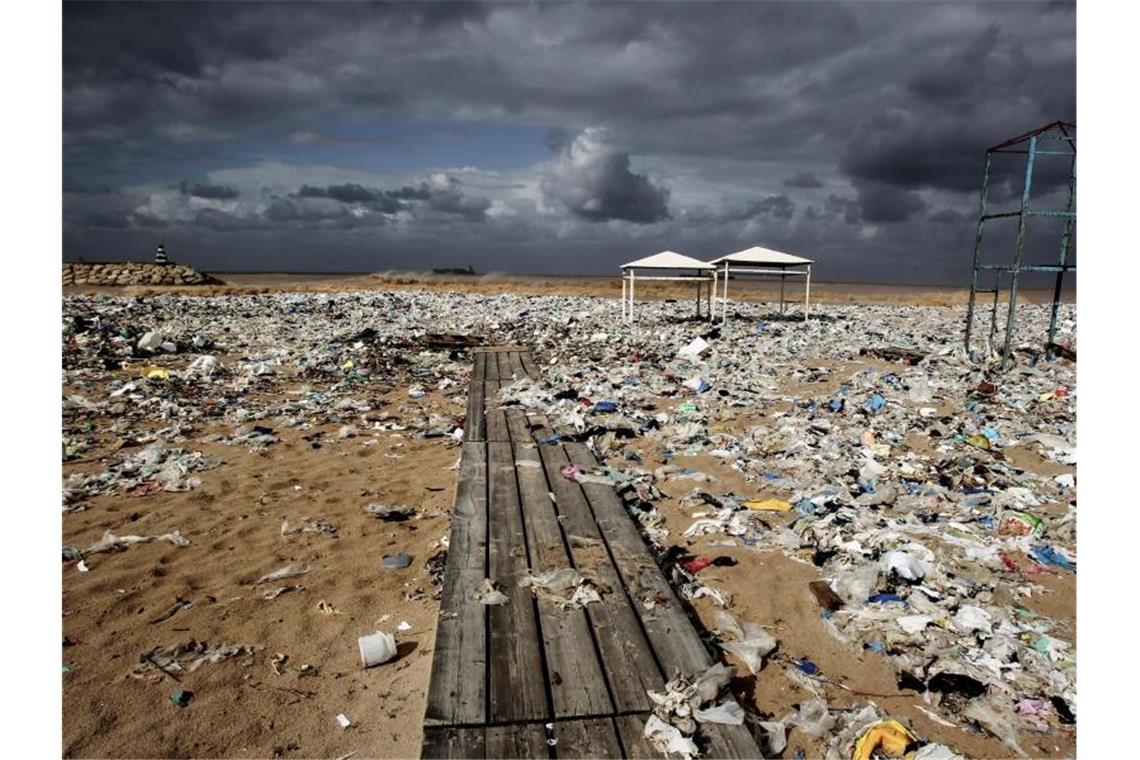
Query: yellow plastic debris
x=769, y=505
x=347, y=365
x=151, y=372
x=887, y=737
x=980, y=441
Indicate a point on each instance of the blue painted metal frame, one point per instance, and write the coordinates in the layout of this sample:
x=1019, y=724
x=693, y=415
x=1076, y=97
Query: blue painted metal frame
x=1057, y=131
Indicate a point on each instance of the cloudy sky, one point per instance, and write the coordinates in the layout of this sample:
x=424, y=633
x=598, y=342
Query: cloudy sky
x=554, y=137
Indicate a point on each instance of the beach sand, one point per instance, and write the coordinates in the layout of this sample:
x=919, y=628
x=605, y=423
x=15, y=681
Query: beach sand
x=240, y=707
x=608, y=287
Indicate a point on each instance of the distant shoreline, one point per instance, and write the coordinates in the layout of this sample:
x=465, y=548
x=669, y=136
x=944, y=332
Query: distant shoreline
x=793, y=286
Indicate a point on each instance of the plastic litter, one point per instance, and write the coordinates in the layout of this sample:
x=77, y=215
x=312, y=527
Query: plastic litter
x=888, y=738
x=488, y=594
x=376, y=648
x=289, y=571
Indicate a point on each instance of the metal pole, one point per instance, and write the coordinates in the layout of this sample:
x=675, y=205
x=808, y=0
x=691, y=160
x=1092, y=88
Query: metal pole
x=977, y=251
x=623, y=296
x=783, y=279
x=724, y=301
x=807, y=294
x=712, y=297
x=698, y=299
x=1019, y=253
x=1066, y=241
x=632, y=279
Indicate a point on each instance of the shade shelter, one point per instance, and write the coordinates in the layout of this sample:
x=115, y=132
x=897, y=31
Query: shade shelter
x=764, y=262
x=678, y=268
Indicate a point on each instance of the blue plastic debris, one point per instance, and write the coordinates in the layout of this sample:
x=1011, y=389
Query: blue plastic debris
x=875, y=403
x=805, y=506
x=551, y=439
x=633, y=456
x=836, y=404
x=807, y=666
x=1047, y=555
x=605, y=407
x=877, y=647
x=886, y=599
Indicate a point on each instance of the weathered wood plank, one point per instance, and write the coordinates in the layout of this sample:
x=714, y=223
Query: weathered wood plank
x=529, y=364
x=456, y=691
x=518, y=691
x=504, y=367
x=526, y=740
x=496, y=418
x=670, y=632
x=631, y=729
x=517, y=426
x=518, y=369
x=440, y=742
x=475, y=427
x=576, y=681
x=626, y=658
x=587, y=739
x=729, y=741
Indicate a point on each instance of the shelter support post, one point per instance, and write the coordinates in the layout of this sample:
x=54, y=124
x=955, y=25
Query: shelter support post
x=623, y=296
x=632, y=280
x=807, y=294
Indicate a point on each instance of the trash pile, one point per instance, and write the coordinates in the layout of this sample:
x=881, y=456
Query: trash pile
x=935, y=497
x=932, y=494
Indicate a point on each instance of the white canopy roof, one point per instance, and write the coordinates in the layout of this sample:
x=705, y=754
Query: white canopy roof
x=668, y=260
x=758, y=255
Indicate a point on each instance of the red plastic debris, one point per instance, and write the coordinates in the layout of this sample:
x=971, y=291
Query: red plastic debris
x=696, y=564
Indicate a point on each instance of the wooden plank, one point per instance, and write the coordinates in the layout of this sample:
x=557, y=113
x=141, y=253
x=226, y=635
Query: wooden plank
x=518, y=690
x=518, y=428
x=626, y=657
x=496, y=418
x=669, y=630
x=631, y=729
x=492, y=359
x=456, y=691
x=506, y=375
x=517, y=424
x=526, y=740
x=518, y=370
x=529, y=364
x=446, y=742
x=475, y=427
x=729, y=741
x=587, y=739
x=576, y=681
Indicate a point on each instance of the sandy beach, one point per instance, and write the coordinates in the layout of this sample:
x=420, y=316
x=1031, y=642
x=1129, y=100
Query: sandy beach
x=328, y=395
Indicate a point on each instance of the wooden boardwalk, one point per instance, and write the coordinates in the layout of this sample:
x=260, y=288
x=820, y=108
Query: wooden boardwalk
x=526, y=678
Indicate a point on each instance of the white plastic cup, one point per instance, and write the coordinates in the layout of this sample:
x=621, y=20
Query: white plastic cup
x=376, y=648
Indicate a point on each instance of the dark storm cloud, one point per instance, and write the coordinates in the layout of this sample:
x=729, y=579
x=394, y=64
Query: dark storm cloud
x=206, y=190
x=948, y=216
x=894, y=102
x=804, y=179
x=593, y=180
x=444, y=194
x=881, y=202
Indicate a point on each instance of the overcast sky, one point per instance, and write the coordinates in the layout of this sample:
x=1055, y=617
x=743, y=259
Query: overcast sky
x=554, y=137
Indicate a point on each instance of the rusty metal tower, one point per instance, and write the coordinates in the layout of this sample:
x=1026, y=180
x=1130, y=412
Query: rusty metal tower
x=1057, y=141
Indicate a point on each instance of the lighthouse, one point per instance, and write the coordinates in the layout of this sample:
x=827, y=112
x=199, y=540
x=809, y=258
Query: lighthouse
x=160, y=254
